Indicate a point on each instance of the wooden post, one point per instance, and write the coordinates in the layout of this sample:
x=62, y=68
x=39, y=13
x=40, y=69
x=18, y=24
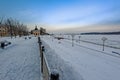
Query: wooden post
x=42, y=50
x=54, y=75
x=40, y=44
x=39, y=39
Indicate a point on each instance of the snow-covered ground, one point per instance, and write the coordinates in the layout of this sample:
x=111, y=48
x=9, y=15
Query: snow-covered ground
x=84, y=61
x=87, y=61
x=20, y=60
x=112, y=40
x=55, y=62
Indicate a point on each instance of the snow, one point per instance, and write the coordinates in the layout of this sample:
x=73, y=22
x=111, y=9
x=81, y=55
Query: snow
x=20, y=60
x=86, y=61
x=55, y=62
x=83, y=61
x=112, y=40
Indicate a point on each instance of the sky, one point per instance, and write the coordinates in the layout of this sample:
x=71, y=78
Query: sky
x=65, y=15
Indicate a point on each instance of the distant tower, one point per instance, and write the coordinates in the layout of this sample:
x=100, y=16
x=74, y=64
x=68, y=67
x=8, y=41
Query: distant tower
x=36, y=28
x=36, y=32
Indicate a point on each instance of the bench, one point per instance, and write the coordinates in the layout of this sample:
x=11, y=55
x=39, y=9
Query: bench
x=4, y=43
x=59, y=38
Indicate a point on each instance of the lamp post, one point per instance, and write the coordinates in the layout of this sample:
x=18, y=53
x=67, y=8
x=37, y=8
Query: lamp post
x=79, y=38
x=72, y=39
x=104, y=39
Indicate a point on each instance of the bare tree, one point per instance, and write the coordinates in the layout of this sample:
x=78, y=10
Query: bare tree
x=1, y=20
x=15, y=27
x=9, y=23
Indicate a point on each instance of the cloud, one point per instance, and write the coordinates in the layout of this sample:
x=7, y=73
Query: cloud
x=86, y=16
x=82, y=14
x=91, y=28
x=72, y=13
x=73, y=16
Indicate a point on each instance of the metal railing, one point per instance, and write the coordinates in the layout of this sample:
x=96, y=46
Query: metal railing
x=45, y=70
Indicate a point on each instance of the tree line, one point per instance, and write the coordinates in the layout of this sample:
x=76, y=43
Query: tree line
x=14, y=27
x=101, y=33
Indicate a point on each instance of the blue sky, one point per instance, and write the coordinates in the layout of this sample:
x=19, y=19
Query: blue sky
x=65, y=15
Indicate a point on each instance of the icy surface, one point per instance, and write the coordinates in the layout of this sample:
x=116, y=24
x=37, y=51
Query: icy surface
x=20, y=60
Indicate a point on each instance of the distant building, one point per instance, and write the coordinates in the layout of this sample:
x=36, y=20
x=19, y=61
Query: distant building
x=36, y=31
x=3, y=31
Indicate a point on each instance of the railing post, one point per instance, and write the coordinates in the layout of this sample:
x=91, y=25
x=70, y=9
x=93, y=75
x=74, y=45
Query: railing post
x=40, y=44
x=54, y=75
x=42, y=50
x=39, y=39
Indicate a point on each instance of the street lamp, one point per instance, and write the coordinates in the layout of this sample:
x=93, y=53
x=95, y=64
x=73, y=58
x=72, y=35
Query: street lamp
x=72, y=39
x=104, y=39
x=79, y=38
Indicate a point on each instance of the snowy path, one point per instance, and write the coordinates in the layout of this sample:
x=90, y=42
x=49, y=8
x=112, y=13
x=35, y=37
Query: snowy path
x=90, y=64
x=20, y=61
